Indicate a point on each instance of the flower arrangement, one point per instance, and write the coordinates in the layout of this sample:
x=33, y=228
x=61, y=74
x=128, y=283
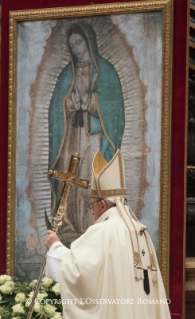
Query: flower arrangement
x=16, y=297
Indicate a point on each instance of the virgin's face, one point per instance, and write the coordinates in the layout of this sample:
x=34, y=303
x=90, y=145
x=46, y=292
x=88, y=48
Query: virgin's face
x=78, y=46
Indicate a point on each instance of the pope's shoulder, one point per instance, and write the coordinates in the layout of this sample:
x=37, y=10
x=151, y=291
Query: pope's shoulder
x=109, y=224
x=109, y=230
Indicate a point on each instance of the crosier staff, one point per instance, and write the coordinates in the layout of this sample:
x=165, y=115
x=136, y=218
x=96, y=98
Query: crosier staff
x=70, y=179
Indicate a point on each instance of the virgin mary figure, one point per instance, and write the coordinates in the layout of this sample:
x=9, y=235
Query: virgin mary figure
x=86, y=113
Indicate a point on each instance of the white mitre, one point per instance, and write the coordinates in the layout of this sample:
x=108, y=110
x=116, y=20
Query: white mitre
x=108, y=181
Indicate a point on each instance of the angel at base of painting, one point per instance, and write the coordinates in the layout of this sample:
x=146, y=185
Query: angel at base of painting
x=86, y=113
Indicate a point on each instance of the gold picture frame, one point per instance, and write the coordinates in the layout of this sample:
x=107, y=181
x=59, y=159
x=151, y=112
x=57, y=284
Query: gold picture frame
x=166, y=7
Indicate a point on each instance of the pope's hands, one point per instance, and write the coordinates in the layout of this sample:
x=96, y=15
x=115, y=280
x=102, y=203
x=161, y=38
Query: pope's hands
x=51, y=238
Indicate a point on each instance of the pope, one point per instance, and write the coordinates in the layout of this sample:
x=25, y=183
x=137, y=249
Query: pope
x=111, y=271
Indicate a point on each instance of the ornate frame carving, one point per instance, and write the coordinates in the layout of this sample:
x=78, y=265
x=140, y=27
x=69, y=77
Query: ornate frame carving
x=166, y=6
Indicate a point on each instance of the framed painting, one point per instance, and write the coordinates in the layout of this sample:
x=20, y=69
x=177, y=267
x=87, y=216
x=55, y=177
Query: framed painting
x=82, y=79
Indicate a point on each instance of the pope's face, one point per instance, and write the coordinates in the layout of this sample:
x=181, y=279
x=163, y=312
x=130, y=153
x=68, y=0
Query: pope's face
x=78, y=46
x=99, y=207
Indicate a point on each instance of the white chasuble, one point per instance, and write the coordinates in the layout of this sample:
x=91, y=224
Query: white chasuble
x=97, y=274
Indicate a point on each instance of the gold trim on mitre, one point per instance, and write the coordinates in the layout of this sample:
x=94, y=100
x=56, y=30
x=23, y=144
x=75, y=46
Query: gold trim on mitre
x=104, y=182
x=109, y=192
x=99, y=163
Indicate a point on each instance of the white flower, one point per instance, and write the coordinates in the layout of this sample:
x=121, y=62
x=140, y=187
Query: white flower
x=28, y=302
x=56, y=289
x=7, y=288
x=47, y=281
x=18, y=308
x=4, y=278
x=20, y=297
x=50, y=310
x=33, y=283
x=31, y=294
x=37, y=307
x=57, y=316
x=40, y=295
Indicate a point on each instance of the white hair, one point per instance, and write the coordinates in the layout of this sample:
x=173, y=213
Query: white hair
x=109, y=204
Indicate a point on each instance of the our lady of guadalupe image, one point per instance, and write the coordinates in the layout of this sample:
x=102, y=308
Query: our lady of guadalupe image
x=86, y=113
x=91, y=84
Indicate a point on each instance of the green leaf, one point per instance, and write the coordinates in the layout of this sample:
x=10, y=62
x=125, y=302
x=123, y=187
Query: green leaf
x=5, y=301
